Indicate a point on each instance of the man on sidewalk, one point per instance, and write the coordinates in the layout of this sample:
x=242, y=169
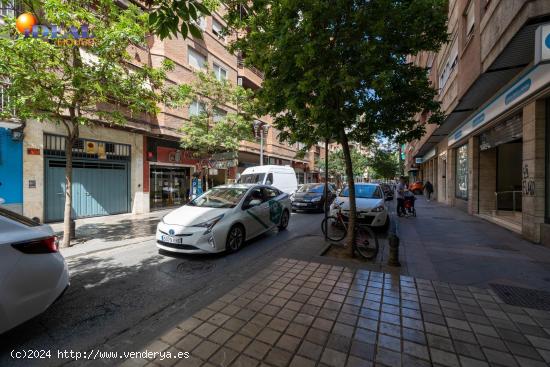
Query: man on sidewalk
x=429, y=189
x=401, y=187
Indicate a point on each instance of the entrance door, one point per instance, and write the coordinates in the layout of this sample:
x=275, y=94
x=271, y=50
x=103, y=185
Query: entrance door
x=169, y=186
x=99, y=188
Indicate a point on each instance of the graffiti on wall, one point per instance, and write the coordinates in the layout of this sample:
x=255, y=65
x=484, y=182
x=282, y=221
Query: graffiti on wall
x=528, y=183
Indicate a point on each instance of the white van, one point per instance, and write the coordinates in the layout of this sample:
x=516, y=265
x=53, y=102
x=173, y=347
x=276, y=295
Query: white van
x=281, y=177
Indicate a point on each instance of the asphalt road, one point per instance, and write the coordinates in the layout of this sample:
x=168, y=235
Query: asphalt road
x=120, y=299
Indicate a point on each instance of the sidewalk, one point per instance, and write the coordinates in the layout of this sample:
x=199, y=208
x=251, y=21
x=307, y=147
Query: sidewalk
x=101, y=233
x=446, y=244
x=304, y=314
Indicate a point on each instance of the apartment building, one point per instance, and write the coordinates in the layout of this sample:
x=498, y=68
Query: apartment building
x=490, y=155
x=140, y=166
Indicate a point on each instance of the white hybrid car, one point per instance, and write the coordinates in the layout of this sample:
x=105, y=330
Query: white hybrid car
x=223, y=218
x=370, y=202
x=33, y=274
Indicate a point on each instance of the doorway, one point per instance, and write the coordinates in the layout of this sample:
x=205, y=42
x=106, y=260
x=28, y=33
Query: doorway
x=170, y=186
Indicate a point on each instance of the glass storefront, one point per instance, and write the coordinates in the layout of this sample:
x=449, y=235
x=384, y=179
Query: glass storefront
x=461, y=188
x=170, y=186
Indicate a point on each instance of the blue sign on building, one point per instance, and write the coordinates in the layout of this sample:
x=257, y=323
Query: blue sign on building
x=11, y=170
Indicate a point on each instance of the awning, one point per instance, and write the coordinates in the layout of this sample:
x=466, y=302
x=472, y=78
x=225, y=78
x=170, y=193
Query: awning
x=516, y=56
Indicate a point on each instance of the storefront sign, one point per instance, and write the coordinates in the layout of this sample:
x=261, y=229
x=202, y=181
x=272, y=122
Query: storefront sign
x=533, y=80
x=176, y=156
x=418, y=160
x=542, y=43
x=33, y=151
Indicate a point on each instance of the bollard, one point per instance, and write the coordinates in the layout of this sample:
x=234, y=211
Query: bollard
x=393, y=241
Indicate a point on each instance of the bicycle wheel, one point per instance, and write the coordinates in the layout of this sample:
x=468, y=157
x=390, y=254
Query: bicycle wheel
x=366, y=242
x=336, y=230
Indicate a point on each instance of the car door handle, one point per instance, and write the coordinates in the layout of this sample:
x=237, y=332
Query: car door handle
x=60, y=193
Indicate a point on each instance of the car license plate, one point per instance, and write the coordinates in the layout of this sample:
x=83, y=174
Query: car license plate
x=171, y=239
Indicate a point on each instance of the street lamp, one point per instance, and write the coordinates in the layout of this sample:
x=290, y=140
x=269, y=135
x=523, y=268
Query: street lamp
x=261, y=128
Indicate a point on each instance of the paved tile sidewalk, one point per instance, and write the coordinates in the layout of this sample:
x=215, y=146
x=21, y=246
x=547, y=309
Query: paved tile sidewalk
x=301, y=314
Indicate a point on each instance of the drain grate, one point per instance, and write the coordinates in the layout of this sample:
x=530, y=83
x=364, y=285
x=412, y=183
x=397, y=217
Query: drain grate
x=523, y=297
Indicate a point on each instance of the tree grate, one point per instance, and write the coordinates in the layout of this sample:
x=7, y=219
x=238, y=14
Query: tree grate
x=523, y=297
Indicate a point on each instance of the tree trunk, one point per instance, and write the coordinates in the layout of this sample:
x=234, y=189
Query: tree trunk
x=351, y=186
x=67, y=217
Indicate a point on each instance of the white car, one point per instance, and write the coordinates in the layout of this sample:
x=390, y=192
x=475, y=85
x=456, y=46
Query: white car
x=370, y=203
x=33, y=274
x=223, y=218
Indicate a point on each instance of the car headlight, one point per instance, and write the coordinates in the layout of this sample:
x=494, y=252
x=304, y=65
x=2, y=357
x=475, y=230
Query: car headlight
x=378, y=209
x=316, y=199
x=209, y=224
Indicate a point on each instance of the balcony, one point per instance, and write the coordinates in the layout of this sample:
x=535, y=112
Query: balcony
x=251, y=77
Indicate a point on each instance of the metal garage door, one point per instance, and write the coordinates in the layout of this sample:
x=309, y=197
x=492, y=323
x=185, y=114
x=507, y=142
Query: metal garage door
x=99, y=188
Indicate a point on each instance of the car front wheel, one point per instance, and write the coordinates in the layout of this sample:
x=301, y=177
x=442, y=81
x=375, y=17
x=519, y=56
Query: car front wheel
x=235, y=238
x=284, y=220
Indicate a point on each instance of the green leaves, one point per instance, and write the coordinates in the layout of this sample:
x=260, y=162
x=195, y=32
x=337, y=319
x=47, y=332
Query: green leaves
x=178, y=17
x=84, y=85
x=226, y=116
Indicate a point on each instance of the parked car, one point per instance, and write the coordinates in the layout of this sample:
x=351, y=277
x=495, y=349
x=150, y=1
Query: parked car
x=417, y=187
x=370, y=202
x=312, y=197
x=223, y=218
x=281, y=177
x=33, y=274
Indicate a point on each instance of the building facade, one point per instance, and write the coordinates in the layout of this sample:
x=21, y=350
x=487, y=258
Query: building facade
x=490, y=155
x=140, y=166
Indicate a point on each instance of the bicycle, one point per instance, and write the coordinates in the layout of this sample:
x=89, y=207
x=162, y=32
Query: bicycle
x=366, y=241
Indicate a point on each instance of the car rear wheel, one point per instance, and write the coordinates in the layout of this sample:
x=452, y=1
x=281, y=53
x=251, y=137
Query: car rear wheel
x=285, y=217
x=235, y=238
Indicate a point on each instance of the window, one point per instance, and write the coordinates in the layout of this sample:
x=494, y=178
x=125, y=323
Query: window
x=196, y=108
x=217, y=29
x=461, y=188
x=221, y=73
x=271, y=193
x=195, y=59
x=450, y=65
x=269, y=180
x=470, y=18
x=219, y=114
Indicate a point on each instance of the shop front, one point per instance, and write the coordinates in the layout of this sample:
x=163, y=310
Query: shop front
x=169, y=171
x=499, y=156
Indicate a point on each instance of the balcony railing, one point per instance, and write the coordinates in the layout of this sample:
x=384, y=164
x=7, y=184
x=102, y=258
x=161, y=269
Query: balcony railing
x=241, y=65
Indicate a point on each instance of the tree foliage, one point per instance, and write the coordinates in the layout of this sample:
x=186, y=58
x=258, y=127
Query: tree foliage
x=384, y=164
x=171, y=18
x=225, y=117
x=76, y=86
x=337, y=164
x=339, y=69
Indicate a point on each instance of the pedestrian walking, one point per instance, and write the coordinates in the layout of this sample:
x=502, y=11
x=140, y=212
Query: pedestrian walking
x=429, y=189
x=401, y=188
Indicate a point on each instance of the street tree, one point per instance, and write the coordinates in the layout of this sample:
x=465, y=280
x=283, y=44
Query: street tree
x=384, y=164
x=337, y=164
x=221, y=116
x=75, y=83
x=173, y=18
x=339, y=69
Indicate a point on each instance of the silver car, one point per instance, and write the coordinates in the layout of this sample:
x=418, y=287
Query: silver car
x=223, y=218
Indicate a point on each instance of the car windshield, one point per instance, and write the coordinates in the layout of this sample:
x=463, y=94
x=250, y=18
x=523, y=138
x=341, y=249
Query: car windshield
x=363, y=191
x=317, y=188
x=220, y=197
x=252, y=178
